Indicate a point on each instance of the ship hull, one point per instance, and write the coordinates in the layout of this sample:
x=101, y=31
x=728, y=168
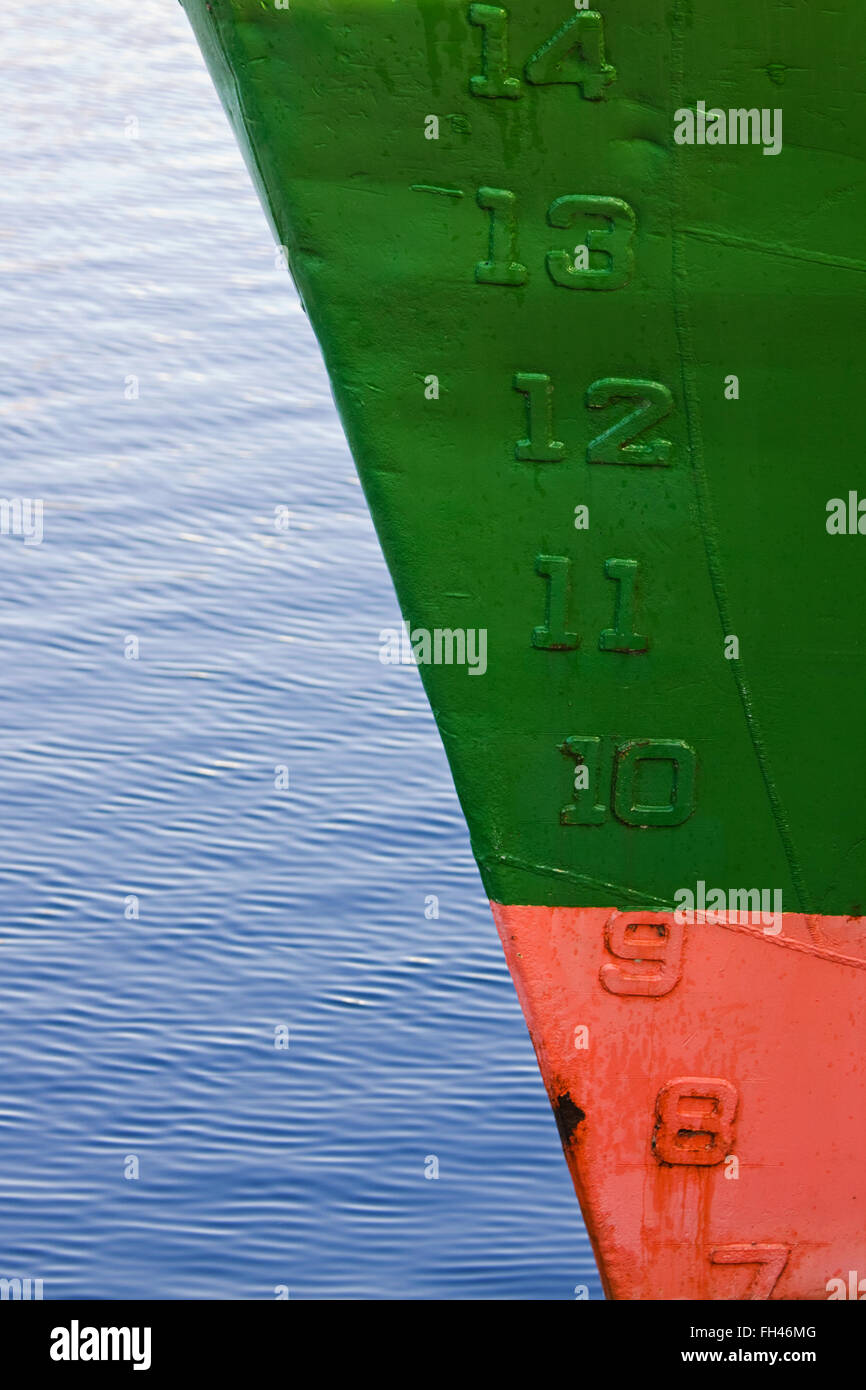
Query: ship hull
x=707, y=1080
x=600, y=374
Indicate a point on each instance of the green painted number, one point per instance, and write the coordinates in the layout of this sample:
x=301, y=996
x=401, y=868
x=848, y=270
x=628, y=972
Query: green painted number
x=552, y=636
x=622, y=637
x=679, y=803
x=585, y=809
x=617, y=444
x=609, y=776
x=613, y=241
x=540, y=447
x=502, y=266
x=493, y=81
x=575, y=54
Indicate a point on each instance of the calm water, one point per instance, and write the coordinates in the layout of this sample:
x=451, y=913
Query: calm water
x=162, y=391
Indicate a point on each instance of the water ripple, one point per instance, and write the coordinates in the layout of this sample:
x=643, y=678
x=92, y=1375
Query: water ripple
x=172, y=910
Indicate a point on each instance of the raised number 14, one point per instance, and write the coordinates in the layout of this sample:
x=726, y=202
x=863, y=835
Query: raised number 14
x=575, y=55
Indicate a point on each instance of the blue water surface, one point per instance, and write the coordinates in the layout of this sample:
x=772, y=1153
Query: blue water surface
x=167, y=648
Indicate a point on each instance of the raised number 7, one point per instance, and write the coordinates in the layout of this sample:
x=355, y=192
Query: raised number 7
x=771, y=1258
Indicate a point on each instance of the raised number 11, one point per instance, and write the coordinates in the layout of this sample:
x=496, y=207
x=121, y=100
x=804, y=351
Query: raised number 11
x=553, y=635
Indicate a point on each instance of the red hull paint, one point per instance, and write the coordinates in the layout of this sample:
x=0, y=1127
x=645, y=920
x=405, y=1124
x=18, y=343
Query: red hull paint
x=711, y=1111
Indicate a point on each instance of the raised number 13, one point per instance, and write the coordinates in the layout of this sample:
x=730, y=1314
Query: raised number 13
x=607, y=226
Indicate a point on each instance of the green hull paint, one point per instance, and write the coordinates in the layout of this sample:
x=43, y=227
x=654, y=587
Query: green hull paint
x=744, y=264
